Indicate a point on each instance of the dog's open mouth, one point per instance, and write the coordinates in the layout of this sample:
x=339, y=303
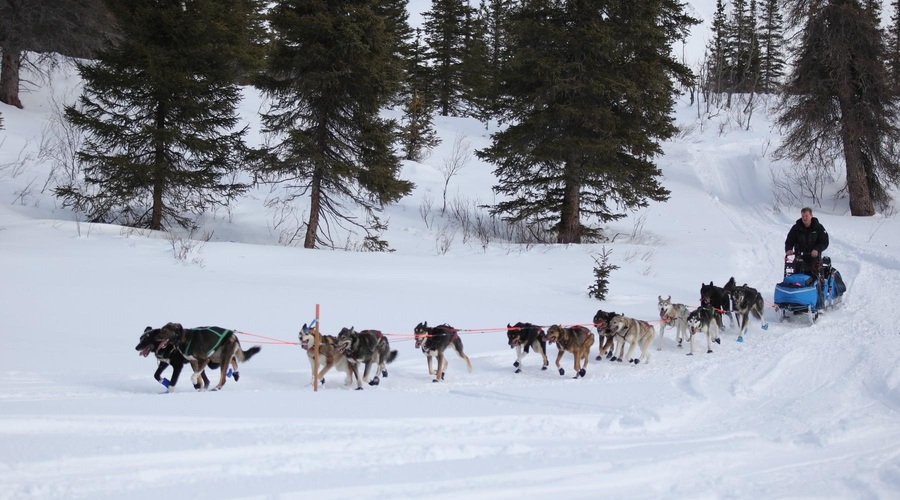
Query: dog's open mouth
x=162, y=344
x=145, y=352
x=305, y=345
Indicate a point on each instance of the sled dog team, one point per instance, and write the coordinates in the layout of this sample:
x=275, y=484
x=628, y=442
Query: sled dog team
x=219, y=348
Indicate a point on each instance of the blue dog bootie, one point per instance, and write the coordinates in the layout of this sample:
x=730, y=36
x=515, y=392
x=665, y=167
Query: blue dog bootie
x=165, y=382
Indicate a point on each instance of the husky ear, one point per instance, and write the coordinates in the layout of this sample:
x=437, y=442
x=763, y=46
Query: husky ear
x=148, y=329
x=659, y=297
x=669, y=299
x=304, y=328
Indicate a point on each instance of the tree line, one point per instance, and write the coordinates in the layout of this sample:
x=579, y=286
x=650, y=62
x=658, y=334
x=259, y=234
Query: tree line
x=584, y=89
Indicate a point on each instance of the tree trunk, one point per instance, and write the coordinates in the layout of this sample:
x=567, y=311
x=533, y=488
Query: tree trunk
x=9, y=77
x=857, y=184
x=570, y=214
x=315, y=205
x=158, y=178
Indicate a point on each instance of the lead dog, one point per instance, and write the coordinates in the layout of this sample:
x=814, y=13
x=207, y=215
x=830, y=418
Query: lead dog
x=434, y=341
x=746, y=301
x=672, y=315
x=577, y=340
x=704, y=320
x=206, y=345
x=634, y=332
x=166, y=355
x=604, y=334
x=328, y=355
x=368, y=346
x=525, y=336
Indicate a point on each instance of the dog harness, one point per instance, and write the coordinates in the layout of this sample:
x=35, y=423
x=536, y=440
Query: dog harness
x=221, y=335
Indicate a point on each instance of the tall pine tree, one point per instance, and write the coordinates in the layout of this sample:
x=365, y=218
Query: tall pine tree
x=771, y=45
x=838, y=101
x=331, y=70
x=591, y=86
x=893, y=47
x=716, y=53
x=446, y=28
x=158, y=113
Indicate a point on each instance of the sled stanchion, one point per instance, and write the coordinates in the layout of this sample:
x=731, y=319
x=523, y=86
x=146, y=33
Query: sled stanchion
x=316, y=352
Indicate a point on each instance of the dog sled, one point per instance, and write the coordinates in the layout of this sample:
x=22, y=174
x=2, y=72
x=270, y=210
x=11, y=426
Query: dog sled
x=808, y=291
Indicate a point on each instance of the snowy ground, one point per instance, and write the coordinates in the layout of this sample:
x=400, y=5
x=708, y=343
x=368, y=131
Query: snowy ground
x=794, y=411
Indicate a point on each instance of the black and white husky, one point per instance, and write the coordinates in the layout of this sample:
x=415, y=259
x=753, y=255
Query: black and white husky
x=525, y=336
x=368, y=346
x=703, y=320
x=745, y=301
x=672, y=315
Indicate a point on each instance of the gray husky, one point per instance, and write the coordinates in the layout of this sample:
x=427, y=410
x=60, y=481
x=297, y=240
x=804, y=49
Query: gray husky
x=368, y=346
x=672, y=315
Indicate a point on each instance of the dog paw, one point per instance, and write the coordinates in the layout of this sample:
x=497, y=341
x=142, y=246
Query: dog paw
x=435, y=381
x=740, y=339
x=516, y=364
x=322, y=381
x=229, y=373
x=609, y=354
x=237, y=376
x=544, y=367
x=359, y=388
x=165, y=382
x=518, y=370
x=375, y=381
x=618, y=359
x=636, y=361
x=562, y=372
x=718, y=340
x=384, y=373
x=659, y=348
x=689, y=354
x=599, y=357
x=581, y=372
x=680, y=346
x=709, y=351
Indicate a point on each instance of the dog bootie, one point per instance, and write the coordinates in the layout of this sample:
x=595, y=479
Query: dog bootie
x=165, y=382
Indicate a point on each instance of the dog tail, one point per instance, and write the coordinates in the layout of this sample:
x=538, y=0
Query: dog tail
x=249, y=353
x=391, y=357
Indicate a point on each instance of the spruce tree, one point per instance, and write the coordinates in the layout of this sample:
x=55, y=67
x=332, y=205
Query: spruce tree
x=716, y=51
x=418, y=135
x=445, y=26
x=396, y=24
x=30, y=28
x=772, y=52
x=330, y=71
x=893, y=47
x=158, y=113
x=494, y=15
x=838, y=101
x=743, y=47
x=591, y=89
